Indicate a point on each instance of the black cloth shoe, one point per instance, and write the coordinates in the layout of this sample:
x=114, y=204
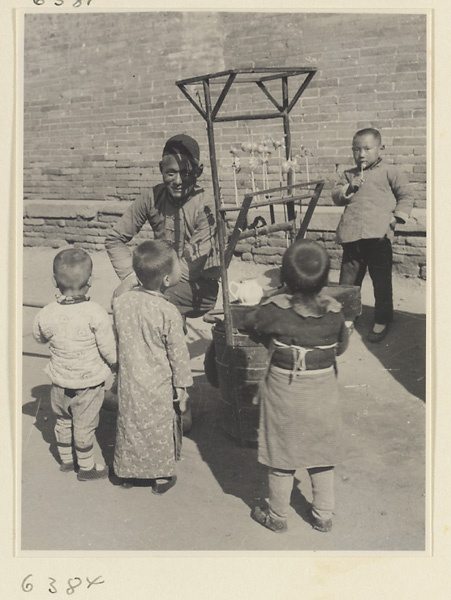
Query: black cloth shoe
x=93, y=474
x=162, y=488
x=67, y=467
x=378, y=337
x=126, y=484
x=324, y=525
x=262, y=516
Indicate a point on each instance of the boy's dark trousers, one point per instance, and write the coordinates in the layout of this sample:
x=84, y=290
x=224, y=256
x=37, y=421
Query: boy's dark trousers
x=376, y=255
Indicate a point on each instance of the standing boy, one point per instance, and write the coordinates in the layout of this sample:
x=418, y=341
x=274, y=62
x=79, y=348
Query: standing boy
x=376, y=197
x=82, y=345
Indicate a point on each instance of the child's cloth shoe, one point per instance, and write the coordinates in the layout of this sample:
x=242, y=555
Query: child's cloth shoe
x=324, y=525
x=376, y=337
x=126, y=485
x=262, y=516
x=67, y=467
x=161, y=487
x=94, y=473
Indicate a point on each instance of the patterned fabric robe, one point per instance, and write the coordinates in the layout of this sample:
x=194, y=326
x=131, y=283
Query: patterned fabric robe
x=153, y=360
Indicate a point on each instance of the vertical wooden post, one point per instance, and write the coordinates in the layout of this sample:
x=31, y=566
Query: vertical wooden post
x=221, y=225
x=286, y=129
x=220, y=218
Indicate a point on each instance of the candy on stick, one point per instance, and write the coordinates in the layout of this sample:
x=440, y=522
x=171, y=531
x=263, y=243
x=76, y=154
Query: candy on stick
x=265, y=152
x=236, y=167
x=277, y=145
x=305, y=153
x=288, y=165
x=264, y=162
x=253, y=164
x=249, y=147
x=285, y=166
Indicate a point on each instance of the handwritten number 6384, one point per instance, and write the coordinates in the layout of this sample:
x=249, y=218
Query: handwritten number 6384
x=72, y=584
x=76, y=4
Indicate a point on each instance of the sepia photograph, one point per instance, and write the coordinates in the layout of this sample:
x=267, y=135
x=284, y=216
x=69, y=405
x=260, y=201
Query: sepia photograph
x=225, y=252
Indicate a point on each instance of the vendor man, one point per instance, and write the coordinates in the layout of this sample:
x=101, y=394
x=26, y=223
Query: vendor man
x=179, y=211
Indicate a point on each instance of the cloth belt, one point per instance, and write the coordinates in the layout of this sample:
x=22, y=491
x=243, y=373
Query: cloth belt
x=297, y=358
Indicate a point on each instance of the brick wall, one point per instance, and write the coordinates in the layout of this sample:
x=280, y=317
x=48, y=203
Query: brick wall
x=58, y=224
x=100, y=100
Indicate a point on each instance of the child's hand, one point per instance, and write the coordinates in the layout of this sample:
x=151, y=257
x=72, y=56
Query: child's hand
x=355, y=183
x=256, y=399
x=350, y=327
x=182, y=398
x=393, y=223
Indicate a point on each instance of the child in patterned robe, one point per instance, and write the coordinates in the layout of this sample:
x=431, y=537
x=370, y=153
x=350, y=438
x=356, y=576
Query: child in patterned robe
x=154, y=371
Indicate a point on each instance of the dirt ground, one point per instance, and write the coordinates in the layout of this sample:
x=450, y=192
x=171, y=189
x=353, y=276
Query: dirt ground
x=380, y=488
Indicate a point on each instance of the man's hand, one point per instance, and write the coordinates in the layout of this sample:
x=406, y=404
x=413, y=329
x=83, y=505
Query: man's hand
x=128, y=284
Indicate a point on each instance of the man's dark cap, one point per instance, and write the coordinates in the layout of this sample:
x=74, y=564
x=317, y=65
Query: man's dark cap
x=182, y=144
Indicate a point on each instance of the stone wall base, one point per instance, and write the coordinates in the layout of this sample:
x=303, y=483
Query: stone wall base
x=82, y=224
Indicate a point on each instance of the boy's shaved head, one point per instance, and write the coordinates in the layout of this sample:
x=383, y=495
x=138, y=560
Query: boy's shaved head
x=72, y=269
x=152, y=260
x=369, y=131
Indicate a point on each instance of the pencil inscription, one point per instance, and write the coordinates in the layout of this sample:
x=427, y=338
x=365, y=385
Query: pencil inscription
x=72, y=584
x=75, y=4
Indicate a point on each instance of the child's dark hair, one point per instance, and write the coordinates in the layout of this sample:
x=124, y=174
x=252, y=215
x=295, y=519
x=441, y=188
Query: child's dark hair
x=72, y=269
x=305, y=267
x=152, y=260
x=369, y=131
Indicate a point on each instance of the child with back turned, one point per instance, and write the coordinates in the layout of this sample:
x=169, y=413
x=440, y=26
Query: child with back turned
x=82, y=345
x=299, y=403
x=376, y=197
x=154, y=371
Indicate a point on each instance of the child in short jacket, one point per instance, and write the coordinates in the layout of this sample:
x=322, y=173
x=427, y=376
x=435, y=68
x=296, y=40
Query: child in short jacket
x=376, y=197
x=82, y=346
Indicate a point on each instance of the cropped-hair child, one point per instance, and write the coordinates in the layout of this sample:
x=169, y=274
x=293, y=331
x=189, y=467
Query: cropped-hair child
x=154, y=371
x=82, y=346
x=376, y=197
x=300, y=425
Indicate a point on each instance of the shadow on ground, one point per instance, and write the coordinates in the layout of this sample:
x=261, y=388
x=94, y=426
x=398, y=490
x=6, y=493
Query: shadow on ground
x=235, y=468
x=402, y=351
x=44, y=421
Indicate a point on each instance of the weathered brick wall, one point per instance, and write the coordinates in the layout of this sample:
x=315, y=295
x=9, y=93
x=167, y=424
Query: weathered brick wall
x=84, y=224
x=100, y=100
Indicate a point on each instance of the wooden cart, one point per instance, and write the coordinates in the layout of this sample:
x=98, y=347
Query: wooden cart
x=234, y=350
